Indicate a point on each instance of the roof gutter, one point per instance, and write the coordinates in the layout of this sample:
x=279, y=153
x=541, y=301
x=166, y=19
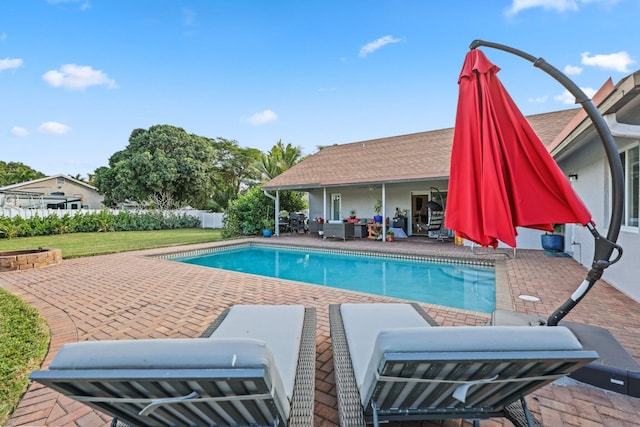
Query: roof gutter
x=611, y=101
x=621, y=129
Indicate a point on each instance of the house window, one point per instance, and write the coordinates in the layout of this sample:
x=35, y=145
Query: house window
x=59, y=181
x=629, y=160
x=336, y=206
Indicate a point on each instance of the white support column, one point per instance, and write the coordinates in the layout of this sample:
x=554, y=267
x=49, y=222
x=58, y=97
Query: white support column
x=384, y=212
x=277, y=222
x=324, y=203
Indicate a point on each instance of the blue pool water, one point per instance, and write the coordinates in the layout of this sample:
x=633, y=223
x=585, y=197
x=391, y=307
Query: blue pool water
x=452, y=285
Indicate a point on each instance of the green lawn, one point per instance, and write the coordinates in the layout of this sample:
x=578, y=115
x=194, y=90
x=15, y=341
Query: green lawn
x=24, y=335
x=86, y=244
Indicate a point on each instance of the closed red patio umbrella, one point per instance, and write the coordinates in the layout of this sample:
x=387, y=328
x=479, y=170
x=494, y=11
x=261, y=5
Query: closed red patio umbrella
x=501, y=175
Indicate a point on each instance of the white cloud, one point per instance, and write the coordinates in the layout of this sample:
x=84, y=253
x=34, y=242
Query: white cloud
x=263, y=117
x=539, y=100
x=19, y=131
x=7, y=63
x=3, y=37
x=377, y=44
x=619, y=61
x=77, y=77
x=84, y=4
x=573, y=70
x=53, y=128
x=557, y=5
x=567, y=98
x=188, y=16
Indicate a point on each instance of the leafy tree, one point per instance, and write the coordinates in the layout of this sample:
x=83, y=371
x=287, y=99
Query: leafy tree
x=234, y=164
x=232, y=171
x=220, y=199
x=79, y=177
x=277, y=160
x=163, y=164
x=252, y=211
x=16, y=172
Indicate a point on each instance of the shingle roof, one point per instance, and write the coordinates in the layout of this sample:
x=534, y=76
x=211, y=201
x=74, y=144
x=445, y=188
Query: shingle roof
x=416, y=156
x=46, y=178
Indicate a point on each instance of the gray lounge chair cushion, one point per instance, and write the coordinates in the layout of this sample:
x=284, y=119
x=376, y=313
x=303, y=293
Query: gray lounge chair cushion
x=263, y=337
x=174, y=354
x=363, y=322
x=184, y=353
x=279, y=326
x=463, y=339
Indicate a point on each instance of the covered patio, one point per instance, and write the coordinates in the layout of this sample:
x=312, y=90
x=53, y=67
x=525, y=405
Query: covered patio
x=400, y=173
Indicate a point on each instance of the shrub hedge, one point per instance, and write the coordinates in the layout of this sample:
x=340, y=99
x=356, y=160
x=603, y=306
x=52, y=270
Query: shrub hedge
x=84, y=222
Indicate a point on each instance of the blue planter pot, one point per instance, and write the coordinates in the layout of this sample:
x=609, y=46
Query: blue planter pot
x=377, y=218
x=267, y=233
x=552, y=242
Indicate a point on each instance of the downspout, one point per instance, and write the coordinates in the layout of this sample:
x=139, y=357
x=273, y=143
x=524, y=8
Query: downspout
x=277, y=209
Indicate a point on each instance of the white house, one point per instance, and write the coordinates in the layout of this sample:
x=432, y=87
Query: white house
x=54, y=192
x=407, y=171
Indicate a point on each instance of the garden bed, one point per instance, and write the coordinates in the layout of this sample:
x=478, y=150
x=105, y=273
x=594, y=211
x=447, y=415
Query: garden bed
x=30, y=258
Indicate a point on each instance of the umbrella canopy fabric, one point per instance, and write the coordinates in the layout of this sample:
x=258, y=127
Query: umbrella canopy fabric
x=502, y=175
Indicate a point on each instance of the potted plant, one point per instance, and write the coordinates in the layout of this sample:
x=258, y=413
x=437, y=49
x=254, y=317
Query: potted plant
x=320, y=222
x=352, y=216
x=390, y=236
x=377, y=208
x=553, y=241
x=267, y=227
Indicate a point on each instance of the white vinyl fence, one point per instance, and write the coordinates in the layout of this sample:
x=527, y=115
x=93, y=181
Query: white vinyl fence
x=207, y=219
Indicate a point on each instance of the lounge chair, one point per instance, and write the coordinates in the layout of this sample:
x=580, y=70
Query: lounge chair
x=256, y=368
x=392, y=363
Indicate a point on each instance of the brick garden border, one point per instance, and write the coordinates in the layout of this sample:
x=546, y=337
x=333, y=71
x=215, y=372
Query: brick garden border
x=27, y=259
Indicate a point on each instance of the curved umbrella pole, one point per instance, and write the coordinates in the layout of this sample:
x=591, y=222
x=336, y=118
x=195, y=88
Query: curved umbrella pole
x=604, y=247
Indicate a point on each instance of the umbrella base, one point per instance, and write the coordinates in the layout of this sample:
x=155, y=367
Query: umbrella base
x=615, y=370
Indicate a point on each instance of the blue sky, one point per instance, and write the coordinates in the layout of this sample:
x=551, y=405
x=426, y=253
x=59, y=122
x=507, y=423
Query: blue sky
x=78, y=76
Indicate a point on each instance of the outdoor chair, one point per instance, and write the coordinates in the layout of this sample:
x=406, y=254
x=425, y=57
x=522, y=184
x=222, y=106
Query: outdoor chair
x=297, y=222
x=393, y=363
x=255, y=365
x=284, y=225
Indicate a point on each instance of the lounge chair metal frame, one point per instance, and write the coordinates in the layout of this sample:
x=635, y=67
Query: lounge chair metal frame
x=414, y=386
x=251, y=397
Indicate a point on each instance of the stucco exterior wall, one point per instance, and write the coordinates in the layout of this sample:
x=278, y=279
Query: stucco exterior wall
x=91, y=199
x=594, y=188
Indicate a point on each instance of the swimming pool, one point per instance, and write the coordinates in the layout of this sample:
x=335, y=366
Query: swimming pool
x=469, y=287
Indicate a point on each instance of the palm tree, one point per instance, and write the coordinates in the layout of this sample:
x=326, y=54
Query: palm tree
x=279, y=159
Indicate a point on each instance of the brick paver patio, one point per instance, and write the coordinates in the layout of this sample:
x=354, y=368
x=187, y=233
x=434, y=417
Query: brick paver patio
x=129, y=295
